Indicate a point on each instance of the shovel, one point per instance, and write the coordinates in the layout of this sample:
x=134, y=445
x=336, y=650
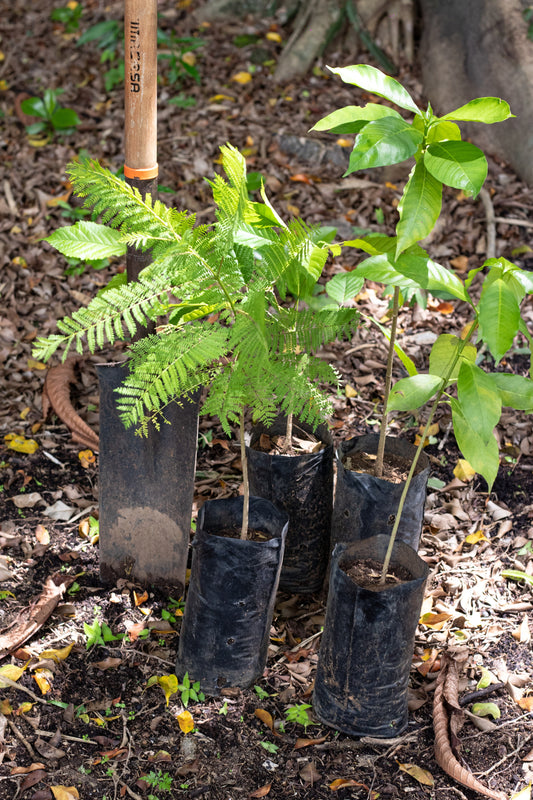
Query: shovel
x=146, y=484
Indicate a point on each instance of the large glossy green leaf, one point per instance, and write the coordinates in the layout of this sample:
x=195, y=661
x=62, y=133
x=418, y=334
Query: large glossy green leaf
x=344, y=286
x=380, y=269
x=483, y=456
x=383, y=142
x=419, y=207
x=482, y=109
x=87, y=240
x=429, y=275
x=445, y=351
x=410, y=393
x=499, y=317
x=373, y=80
x=512, y=274
x=351, y=119
x=458, y=164
x=516, y=391
x=374, y=244
x=479, y=401
x=34, y=107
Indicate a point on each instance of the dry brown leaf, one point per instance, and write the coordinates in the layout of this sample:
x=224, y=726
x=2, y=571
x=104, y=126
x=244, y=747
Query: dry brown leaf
x=418, y=773
x=48, y=750
x=32, y=618
x=522, y=634
x=342, y=783
x=24, y=770
x=161, y=755
x=300, y=743
x=309, y=773
x=30, y=780
x=108, y=663
x=42, y=535
x=526, y=703
x=65, y=792
x=139, y=599
x=265, y=717
x=446, y=695
x=134, y=630
x=262, y=791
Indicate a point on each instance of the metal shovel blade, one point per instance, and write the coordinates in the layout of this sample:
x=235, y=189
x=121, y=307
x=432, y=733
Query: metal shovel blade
x=146, y=491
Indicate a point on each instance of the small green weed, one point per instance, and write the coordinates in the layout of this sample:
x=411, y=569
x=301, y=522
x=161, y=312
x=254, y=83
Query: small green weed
x=260, y=692
x=52, y=118
x=107, y=36
x=177, y=57
x=190, y=691
x=160, y=781
x=99, y=634
x=68, y=16
x=270, y=747
x=299, y=714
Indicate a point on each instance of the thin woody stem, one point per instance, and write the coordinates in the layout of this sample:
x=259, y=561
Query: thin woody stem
x=246, y=485
x=419, y=449
x=378, y=467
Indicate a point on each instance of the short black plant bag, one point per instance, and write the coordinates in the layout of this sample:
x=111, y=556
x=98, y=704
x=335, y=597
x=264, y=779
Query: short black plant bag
x=230, y=602
x=302, y=486
x=366, y=506
x=367, y=645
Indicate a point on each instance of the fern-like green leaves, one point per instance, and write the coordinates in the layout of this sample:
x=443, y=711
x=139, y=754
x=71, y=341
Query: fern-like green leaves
x=218, y=296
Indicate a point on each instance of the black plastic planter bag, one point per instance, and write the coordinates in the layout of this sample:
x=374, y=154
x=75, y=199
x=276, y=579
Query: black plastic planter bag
x=302, y=486
x=366, y=506
x=146, y=488
x=367, y=644
x=232, y=589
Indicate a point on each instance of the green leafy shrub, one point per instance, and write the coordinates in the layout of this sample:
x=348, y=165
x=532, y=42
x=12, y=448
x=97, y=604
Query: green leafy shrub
x=475, y=395
x=226, y=300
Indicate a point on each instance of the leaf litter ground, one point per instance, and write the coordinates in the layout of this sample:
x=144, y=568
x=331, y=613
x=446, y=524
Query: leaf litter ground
x=107, y=728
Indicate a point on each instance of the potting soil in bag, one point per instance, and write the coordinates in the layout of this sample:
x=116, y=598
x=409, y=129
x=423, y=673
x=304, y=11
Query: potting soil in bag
x=302, y=486
x=367, y=645
x=366, y=506
x=232, y=589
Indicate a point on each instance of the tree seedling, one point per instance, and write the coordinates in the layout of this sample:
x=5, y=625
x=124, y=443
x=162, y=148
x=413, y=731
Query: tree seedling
x=230, y=328
x=299, y=714
x=99, y=634
x=476, y=397
x=190, y=691
x=68, y=16
x=52, y=118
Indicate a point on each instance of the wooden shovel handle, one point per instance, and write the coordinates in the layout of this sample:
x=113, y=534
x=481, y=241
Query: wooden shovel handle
x=140, y=89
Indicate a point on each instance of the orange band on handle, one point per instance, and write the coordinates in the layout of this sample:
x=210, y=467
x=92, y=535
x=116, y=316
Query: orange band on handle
x=142, y=174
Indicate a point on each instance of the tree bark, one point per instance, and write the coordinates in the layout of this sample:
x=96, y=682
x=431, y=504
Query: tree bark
x=315, y=22
x=480, y=48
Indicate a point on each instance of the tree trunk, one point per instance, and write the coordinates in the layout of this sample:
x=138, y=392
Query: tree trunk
x=316, y=21
x=218, y=9
x=375, y=27
x=480, y=48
